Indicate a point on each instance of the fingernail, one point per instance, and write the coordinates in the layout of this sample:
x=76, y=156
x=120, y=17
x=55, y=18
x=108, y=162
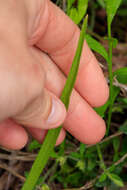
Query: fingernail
x=58, y=113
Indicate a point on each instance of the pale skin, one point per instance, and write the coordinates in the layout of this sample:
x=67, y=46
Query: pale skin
x=38, y=43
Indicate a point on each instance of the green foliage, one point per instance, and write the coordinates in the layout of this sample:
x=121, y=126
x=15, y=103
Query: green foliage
x=116, y=179
x=96, y=46
x=45, y=187
x=102, y=178
x=111, y=8
x=101, y=3
x=101, y=110
x=77, y=9
x=33, y=145
x=121, y=75
x=82, y=149
x=116, y=146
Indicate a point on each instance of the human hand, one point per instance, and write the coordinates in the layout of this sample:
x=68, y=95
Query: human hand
x=38, y=43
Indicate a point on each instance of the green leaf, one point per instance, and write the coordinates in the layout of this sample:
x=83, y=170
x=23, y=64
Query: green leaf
x=91, y=165
x=45, y=187
x=96, y=46
x=103, y=177
x=111, y=8
x=75, y=155
x=124, y=100
x=69, y=5
x=101, y=110
x=101, y=3
x=81, y=165
x=61, y=160
x=52, y=135
x=33, y=145
x=116, y=179
x=54, y=154
x=74, y=178
x=121, y=75
x=82, y=149
x=123, y=128
x=116, y=144
x=77, y=13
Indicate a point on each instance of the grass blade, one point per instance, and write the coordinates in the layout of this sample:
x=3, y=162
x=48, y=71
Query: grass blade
x=51, y=137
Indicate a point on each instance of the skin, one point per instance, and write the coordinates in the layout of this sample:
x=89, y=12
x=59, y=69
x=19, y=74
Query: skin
x=38, y=43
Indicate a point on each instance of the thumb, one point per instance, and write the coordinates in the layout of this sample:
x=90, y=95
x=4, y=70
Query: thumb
x=32, y=105
x=46, y=112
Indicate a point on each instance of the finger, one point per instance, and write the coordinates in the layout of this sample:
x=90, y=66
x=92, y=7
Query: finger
x=40, y=134
x=59, y=39
x=81, y=121
x=39, y=114
x=12, y=135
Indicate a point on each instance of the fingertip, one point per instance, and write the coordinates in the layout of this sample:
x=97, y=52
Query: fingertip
x=96, y=90
x=104, y=95
x=84, y=123
x=12, y=135
x=96, y=134
x=57, y=113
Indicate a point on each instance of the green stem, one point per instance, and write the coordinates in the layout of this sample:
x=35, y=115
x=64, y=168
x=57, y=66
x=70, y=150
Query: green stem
x=102, y=164
x=110, y=78
x=52, y=135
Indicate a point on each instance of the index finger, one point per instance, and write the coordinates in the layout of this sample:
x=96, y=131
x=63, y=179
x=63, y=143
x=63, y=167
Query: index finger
x=59, y=39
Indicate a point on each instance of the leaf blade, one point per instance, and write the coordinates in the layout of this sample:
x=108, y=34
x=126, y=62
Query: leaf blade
x=111, y=8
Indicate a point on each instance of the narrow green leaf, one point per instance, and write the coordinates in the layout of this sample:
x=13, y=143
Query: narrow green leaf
x=52, y=135
x=116, y=144
x=82, y=149
x=96, y=46
x=101, y=110
x=111, y=8
x=77, y=13
x=121, y=75
x=116, y=179
x=101, y=3
x=103, y=177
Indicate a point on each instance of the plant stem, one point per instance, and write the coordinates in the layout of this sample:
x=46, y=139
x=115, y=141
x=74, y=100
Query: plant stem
x=110, y=77
x=102, y=164
x=52, y=135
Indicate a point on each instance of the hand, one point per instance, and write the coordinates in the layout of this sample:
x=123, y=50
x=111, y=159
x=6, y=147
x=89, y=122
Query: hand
x=38, y=43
